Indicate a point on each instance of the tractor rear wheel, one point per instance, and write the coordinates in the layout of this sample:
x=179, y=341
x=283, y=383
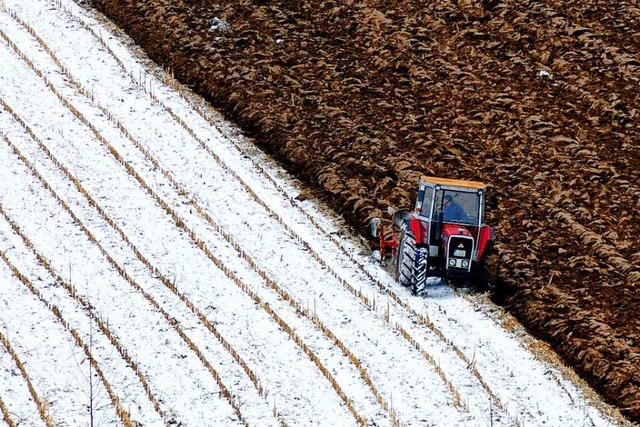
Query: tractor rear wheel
x=406, y=256
x=488, y=270
x=419, y=279
x=411, y=268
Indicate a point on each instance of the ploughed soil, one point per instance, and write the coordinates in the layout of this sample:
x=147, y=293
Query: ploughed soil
x=539, y=99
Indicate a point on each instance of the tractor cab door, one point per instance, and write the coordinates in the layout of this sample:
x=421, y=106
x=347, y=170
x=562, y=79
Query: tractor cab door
x=427, y=213
x=437, y=217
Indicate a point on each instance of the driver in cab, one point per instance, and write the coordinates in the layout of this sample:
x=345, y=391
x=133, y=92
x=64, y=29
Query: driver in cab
x=452, y=211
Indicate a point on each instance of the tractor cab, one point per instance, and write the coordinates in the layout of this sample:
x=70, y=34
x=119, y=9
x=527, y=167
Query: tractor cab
x=444, y=205
x=444, y=236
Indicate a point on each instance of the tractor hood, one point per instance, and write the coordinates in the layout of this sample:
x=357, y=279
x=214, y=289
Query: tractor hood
x=449, y=230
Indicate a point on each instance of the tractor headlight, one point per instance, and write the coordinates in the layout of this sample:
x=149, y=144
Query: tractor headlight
x=452, y=262
x=465, y=263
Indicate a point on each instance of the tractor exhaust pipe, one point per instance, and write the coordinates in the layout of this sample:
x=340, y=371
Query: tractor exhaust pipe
x=440, y=217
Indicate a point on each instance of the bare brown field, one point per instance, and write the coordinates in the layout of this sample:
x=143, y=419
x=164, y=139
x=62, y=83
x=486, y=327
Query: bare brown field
x=537, y=98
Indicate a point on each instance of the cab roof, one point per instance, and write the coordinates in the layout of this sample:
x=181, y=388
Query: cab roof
x=454, y=182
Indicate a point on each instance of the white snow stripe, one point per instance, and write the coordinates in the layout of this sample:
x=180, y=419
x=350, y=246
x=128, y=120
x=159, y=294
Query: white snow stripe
x=31, y=133
x=224, y=391
x=180, y=223
x=67, y=286
x=155, y=271
x=58, y=163
x=122, y=413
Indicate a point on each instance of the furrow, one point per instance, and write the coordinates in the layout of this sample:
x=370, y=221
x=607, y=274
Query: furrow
x=451, y=41
x=42, y=406
x=626, y=14
x=560, y=28
x=6, y=416
x=581, y=149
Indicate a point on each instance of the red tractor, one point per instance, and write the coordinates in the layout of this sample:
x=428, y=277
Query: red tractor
x=444, y=236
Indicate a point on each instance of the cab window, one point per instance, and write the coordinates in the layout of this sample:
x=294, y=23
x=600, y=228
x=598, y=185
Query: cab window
x=459, y=206
x=426, y=202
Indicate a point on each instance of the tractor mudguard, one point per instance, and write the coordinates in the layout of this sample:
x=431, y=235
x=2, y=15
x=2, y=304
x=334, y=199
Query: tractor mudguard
x=419, y=230
x=485, y=240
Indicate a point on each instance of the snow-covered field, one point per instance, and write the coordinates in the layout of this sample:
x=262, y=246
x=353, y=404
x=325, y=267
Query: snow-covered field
x=155, y=269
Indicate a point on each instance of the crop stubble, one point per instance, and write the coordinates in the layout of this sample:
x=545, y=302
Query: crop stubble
x=538, y=99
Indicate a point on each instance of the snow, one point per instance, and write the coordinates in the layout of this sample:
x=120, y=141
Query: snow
x=142, y=236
